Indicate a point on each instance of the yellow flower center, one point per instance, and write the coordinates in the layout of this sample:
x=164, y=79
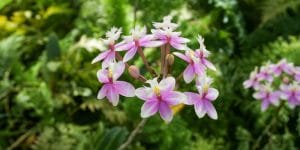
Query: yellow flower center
x=156, y=90
x=110, y=74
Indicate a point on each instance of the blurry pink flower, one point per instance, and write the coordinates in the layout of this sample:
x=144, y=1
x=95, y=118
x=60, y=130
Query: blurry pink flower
x=291, y=93
x=197, y=61
x=137, y=39
x=165, y=33
x=108, y=56
x=159, y=97
x=265, y=73
x=202, y=101
x=267, y=96
x=296, y=73
x=252, y=81
x=111, y=87
x=282, y=66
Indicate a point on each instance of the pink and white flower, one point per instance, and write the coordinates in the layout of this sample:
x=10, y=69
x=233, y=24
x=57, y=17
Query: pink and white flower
x=137, y=39
x=108, y=56
x=291, y=93
x=159, y=97
x=202, y=100
x=265, y=73
x=165, y=33
x=268, y=96
x=282, y=66
x=252, y=81
x=112, y=88
x=197, y=61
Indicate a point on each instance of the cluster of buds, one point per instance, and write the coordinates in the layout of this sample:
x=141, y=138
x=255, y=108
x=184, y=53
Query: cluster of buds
x=161, y=94
x=276, y=82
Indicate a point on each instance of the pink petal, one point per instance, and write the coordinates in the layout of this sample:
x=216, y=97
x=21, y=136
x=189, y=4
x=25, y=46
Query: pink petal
x=167, y=84
x=180, y=40
x=130, y=54
x=100, y=56
x=102, y=92
x=247, y=83
x=124, y=88
x=178, y=45
x=146, y=38
x=125, y=46
x=210, y=110
x=265, y=104
x=212, y=94
x=274, y=98
x=118, y=70
x=199, y=69
x=103, y=76
x=188, y=74
x=165, y=111
x=192, y=98
x=259, y=95
x=144, y=93
x=182, y=56
x=108, y=59
x=173, y=98
x=151, y=43
x=209, y=65
x=200, y=109
x=112, y=96
x=149, y=108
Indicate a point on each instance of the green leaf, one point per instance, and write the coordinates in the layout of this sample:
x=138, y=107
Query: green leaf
x=3, y=3
x=53, y=49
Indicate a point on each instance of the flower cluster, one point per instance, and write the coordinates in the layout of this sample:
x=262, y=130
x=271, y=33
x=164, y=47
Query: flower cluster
x=275, y=82
x=161, y=94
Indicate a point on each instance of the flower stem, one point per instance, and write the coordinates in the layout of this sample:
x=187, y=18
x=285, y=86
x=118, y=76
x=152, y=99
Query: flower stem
x=165, y=67
x=162, y=58
x=141, y=53
x=133, y=134
x=267, y=128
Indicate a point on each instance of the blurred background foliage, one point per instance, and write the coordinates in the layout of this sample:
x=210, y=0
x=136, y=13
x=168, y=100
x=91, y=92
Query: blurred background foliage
x=48, y=86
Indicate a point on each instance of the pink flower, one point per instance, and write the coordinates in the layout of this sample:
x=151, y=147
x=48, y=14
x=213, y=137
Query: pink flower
x=165, y=33
x=296, y=73
x=159, y=97
x=267, y=96
x=197, y=61
x=265, y=73
x=282, y=66
x=202, y=101
x=108, y=56
x=252, y=81
x=137, y=39
x=111, y=87
x=291, y=93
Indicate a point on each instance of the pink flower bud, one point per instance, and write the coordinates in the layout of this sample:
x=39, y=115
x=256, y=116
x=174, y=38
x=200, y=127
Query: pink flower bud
x=134, y=71
x=170, y=59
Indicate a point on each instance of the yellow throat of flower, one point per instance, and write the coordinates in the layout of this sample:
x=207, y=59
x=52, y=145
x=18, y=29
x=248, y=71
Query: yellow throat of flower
x=205, y=87
x=156, y=90
x=110, y=74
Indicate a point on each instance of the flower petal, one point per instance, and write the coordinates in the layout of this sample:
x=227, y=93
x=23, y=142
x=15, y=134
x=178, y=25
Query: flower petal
x=130, y=54
x=108, y=59
x=182, y=56
x=112, y=96
x=102, y=76
x=199, y=69
x=259, y=95
x=210, y=110
x=192, y=98
x=100, y=56
x=125, y=46
x=151, y=43
x=200, y=109
x=264, y=105
x=188, y=74
x=165, y=111
x=167, y=84
x=144, y=93
x=149, y=108
x=209, y=65
x=102, y=92
x=118, y=70
x=178, y=46
x=212, y=94
x=124, y=88
x=173, y=98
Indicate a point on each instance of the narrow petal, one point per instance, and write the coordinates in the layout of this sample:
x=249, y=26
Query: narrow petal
x=188, y=74
x=130, y=54
x=192, y=98
x=259, y=95
x=173, y=98
x=247, y=84
x=212, y=94
x=101, y=56
x=144, y=93
x=200, y=109
x=103, y=76
x=178, y=46
x=199, y=69
x=125, y=46
x=181, y=40
x=210, y=110
x=182, y=56
x=149, y=108
x=151, y=43
x=112, y=96
x=209, y=65
x=274, y=98
x=165, y=111
x=124, y=88
x=118, y=70
x=108, y=59
x=102, y=92
x=265, y=104
x=167, y=84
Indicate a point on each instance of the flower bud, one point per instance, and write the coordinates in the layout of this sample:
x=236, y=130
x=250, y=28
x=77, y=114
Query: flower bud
x=134, y=71
x=285, y=80
x=170, y=59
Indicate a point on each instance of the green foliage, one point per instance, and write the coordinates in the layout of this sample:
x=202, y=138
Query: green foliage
x=48, y=86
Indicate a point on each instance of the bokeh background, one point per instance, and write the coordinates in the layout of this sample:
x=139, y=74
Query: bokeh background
x=48, y=85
